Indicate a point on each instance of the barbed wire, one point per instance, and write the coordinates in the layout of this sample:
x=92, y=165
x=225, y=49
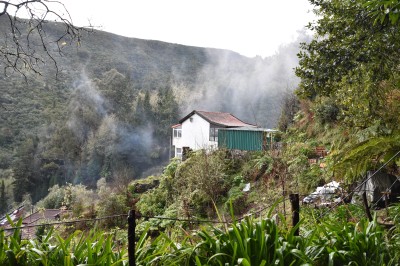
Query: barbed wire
x=138, y=215
x=181, y=219
x=263, y=209
x=64, y=222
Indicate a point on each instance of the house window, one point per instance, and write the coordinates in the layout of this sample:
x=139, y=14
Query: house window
x=213, y=134
x=178, y=152
x=177, y=132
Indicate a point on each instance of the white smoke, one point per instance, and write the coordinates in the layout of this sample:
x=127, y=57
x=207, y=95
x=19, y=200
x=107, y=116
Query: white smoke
x=250, y=88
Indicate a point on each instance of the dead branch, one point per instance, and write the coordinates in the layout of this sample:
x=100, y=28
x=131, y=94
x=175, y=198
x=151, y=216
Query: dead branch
x=27, y=46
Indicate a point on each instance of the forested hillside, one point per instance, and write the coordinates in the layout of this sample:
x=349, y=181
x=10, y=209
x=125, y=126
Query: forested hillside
x=106, y=110
x=103, y=127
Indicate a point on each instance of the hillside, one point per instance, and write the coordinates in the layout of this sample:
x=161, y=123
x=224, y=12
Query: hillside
x=92, y=136
x=108, y=110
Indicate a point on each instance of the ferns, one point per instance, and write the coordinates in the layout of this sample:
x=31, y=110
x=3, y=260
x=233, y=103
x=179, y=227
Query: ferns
x=355, y=160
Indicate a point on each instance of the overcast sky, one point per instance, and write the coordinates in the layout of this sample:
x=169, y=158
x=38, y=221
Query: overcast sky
x=251, y=28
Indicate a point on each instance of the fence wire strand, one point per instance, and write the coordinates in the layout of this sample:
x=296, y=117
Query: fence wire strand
x=199, y=221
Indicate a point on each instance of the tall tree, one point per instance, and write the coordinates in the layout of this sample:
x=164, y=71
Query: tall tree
x=117, y=90
x=23, y=170
x=346, y=40
x=349, y=60
x=352, y=64
x=144, y=114
x=290, y=105
x=167, y=113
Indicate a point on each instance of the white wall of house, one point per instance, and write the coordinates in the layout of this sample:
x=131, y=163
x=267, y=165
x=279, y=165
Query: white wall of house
x=195, y=135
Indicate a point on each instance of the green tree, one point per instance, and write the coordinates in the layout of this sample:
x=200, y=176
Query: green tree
x=350, y=72
x=347, y=42
x=167, y=113
x=290, y=106
x=144, y=113
x=384, y=11
x=118, y=93
x=23, y=170
x=101, y=148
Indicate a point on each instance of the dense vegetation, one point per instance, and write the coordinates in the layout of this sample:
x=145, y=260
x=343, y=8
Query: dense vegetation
x=350, y=74
x=348, y=103
x=334, y=241
x=107, y=112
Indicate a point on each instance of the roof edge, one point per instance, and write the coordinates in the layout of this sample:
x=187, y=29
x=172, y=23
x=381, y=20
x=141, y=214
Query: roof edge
x=208, y=120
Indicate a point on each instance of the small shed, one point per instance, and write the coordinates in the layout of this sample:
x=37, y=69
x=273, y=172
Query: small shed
x=246, y=138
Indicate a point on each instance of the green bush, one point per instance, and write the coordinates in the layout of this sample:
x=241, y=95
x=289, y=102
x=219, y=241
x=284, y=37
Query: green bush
x=326, y=112
x=237, y=199
x=53, y=200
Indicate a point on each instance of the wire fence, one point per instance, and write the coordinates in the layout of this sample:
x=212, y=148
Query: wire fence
x=191, y=220
x=294, y=199
x=65, y=222
x=133, y=216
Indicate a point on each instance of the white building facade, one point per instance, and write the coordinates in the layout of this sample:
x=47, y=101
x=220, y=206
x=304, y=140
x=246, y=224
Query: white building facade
x=199, y=130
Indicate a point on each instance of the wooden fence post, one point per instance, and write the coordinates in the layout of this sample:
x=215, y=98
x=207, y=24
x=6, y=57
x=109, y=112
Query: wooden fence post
x=366, y=208
x=131, y=237
x=386, y=197
x=294, y=201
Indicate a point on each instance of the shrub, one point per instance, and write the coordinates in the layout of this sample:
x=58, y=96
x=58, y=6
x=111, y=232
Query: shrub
x=326, y=112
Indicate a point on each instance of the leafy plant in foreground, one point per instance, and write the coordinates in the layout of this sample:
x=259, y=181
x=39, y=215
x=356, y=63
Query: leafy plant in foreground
x=51, y=249
x=362, y=243
x=250, y=242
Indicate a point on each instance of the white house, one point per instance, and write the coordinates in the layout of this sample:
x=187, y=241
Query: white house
x=199, y=130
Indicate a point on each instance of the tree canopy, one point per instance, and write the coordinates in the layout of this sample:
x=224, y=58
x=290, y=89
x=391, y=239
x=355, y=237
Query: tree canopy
x=384, y=11
x=350, y=71
x=347, y=45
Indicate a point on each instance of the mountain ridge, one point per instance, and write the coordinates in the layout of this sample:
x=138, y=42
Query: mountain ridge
x=109, y=111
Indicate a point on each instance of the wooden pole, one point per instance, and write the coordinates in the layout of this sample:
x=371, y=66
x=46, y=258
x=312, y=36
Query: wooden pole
x=366, y=208
x=131, y=237
x=386, y=197
x=284, y=196
x=294, y=201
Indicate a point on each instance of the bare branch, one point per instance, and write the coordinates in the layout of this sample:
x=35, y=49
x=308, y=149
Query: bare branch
x=26, y=46
x=5, y=7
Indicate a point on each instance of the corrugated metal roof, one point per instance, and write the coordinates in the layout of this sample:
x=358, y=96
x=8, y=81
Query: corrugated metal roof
x=47, y=214
x=219, y=119
x=176, y=126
